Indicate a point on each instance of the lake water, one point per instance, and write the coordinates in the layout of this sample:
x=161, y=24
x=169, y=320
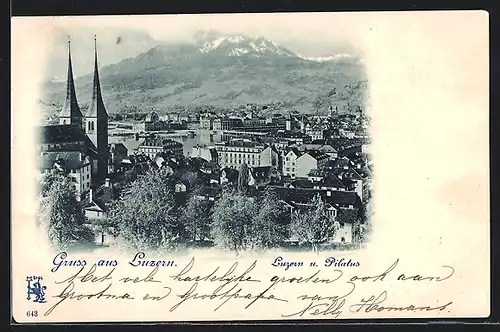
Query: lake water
x=201, y=138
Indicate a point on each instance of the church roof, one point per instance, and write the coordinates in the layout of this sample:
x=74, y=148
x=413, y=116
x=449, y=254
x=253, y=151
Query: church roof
x=67, y=159
x=55, y=134
x=70, y=108
x=64, y=135
x=96, y=107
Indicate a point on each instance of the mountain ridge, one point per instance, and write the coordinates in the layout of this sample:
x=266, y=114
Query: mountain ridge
x=218, y=70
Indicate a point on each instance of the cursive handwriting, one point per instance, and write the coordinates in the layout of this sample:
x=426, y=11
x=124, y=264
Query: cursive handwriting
x=373, y=304
x=378, y=276
x=148, y=278
x=158, y=297
x=312, y=278
x=227, y=277
x=226, y=293
x=328, y=305
x=69, y=293
x=89, y=276
x=418, y=277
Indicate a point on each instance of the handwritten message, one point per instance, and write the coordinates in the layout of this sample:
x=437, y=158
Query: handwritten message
x=329, y=287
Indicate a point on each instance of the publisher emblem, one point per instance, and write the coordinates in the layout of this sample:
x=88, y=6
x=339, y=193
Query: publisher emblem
x=36, y=289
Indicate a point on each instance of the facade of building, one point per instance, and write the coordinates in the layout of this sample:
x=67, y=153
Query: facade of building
x=235, y=153
x=117, y=152
x=76, y=165
x=207, y=153
x=290, y=162
x=153, y=145
x=226, y=123
x=310, y=160
x=206, y=123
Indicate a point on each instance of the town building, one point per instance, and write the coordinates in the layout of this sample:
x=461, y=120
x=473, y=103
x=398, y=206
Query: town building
x=310, y=160
x=290, y=162
x=77, y=165
x=205, y=152
x=155, y=144
x=238, y=152
x=323, y=148
x=263, y=176
x=117, y=152
x=227, y=123
x=206, y=122
x=314, y=131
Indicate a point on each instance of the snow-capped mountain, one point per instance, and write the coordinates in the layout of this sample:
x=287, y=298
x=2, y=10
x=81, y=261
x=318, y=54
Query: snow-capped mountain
x=335, y=57
x=220, y=70
x=240, y=45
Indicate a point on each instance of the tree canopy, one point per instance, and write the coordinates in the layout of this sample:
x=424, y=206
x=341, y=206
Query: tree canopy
x=62, y=215
x=232, y=218
x=312, y=225
x=145, y=216
x=196, y=217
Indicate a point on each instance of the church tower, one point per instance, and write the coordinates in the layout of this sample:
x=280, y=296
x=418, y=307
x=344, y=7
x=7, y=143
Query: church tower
x=70, y=113
x=96, y=124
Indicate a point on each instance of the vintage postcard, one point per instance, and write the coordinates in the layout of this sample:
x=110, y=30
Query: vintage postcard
x=186, y=168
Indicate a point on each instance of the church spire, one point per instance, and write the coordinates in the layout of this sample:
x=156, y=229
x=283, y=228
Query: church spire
x=70, y=113
x=96, y=127
x=96, y=107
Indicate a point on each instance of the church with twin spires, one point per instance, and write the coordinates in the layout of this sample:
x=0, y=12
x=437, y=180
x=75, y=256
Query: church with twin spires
x=79, y=143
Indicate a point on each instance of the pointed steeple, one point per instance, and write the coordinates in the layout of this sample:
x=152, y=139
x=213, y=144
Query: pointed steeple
x=96, y=106
x=70, y=112
x=96, y=125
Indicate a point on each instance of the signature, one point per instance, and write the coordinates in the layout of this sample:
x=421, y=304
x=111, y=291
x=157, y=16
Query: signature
x=373, y=304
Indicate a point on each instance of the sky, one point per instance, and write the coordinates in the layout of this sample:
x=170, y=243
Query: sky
x=307, y=34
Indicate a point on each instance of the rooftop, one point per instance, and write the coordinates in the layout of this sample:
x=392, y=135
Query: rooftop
x=318, y=155
x=160, y=141
x=305, y=195
x=68, y=159
x=54, y=134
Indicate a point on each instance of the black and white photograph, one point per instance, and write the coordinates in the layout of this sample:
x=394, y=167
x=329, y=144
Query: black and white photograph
x=191, y=134
x=251, y=167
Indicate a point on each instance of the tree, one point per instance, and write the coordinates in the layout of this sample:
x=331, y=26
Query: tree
x=145, y=217
x=243, y=178
x=63, y=217
x=130, y=175
x=48, y=179
x=232, y=220
x=312, y=225
x=270, y=223
x=196, y=218
x=348, y=216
